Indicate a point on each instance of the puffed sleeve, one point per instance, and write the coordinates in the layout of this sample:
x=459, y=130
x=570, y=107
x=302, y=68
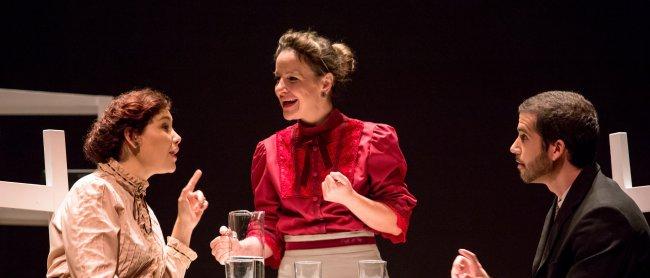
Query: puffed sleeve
x=266, y=199
x=386, y=169
x=88, y=226
x=178, y=257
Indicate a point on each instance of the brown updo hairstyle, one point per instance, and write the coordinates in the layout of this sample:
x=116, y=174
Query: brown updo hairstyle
x=134, y=110
x=321, y=55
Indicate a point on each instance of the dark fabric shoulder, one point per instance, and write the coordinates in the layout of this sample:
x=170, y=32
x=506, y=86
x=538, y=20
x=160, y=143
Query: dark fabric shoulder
x=607, y=193
x=606, y=244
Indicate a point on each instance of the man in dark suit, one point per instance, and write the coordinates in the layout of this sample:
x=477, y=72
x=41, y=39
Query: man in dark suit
x=593, y=229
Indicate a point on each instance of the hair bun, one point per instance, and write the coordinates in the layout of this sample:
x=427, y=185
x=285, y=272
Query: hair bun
x=346, y=61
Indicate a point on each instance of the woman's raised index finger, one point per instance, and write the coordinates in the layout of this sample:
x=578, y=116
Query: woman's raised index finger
x=193, y=181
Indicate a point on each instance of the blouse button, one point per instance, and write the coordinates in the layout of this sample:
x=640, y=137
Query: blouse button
x=314, y=174
x=315, y=199
x=314, y=148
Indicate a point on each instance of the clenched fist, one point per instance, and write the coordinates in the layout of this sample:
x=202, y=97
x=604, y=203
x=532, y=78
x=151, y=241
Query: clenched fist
x=337, y=188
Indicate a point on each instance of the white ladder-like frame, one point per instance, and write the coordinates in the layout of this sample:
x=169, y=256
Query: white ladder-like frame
x=621, y=172
x=33, y=204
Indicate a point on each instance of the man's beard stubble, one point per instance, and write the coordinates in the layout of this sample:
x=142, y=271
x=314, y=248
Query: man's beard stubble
x=542, y=165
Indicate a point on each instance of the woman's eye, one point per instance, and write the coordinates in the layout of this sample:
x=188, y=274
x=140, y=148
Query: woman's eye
x=165, y=127
x=292, y=78
x=523, y=137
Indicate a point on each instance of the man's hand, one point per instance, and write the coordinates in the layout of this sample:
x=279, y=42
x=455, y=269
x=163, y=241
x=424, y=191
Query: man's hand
x=466, y=265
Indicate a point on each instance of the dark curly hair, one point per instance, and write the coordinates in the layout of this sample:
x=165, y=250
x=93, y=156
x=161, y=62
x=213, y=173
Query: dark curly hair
x=569, y=117
x=320, y=54
x=132, y=109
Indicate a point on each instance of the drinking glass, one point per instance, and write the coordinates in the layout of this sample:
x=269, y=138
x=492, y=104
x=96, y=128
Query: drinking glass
x=240, y=268
x=307, y=269
x=243, y=224
x=372, y=269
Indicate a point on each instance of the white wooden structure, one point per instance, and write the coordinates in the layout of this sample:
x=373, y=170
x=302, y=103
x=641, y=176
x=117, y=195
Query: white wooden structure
x=33, y=204
x=21, y=102
x=622, y=174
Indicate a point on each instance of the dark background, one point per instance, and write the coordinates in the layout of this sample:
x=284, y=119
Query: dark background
x=448, y=75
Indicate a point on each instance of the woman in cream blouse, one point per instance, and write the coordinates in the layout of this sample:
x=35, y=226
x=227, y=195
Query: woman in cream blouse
x=104, y=227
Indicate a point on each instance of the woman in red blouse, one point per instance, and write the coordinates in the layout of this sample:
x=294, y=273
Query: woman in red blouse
x=327, y=183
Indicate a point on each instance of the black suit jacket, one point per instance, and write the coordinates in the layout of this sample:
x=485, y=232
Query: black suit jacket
x=598, y=232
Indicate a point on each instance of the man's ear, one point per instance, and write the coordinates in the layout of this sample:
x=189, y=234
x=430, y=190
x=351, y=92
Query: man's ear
x=556, y=150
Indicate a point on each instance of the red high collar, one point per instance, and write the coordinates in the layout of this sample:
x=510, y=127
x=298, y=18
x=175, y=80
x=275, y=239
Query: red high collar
x=334, y=119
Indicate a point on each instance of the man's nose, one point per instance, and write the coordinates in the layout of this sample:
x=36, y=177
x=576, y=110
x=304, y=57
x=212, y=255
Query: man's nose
x=514, y=148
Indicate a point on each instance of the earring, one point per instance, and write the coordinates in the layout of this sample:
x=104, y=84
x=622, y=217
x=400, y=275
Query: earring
x=323, y=94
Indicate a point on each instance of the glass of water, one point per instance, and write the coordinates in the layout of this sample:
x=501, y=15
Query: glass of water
x=307, y=269
x=243, y=224
x=372, y=269
x=240, y=268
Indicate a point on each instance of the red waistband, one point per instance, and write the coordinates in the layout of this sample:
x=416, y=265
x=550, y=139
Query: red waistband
x=327, y=243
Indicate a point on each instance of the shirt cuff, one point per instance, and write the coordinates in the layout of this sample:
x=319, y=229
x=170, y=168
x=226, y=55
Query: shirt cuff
x=181, y=250
x=402, y=223
x=276, y=257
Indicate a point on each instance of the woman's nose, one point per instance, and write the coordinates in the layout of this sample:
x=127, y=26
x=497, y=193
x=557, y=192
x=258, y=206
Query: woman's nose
x=176, y=137
x=279, y=87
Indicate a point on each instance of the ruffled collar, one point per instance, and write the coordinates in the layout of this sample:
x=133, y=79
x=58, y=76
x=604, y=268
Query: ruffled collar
x=133, y=184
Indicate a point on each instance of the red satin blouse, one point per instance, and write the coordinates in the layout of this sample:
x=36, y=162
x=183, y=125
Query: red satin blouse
x=289, y=167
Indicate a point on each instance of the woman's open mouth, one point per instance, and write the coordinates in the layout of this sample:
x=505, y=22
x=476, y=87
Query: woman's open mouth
x=289, y=103
x=174, y=153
